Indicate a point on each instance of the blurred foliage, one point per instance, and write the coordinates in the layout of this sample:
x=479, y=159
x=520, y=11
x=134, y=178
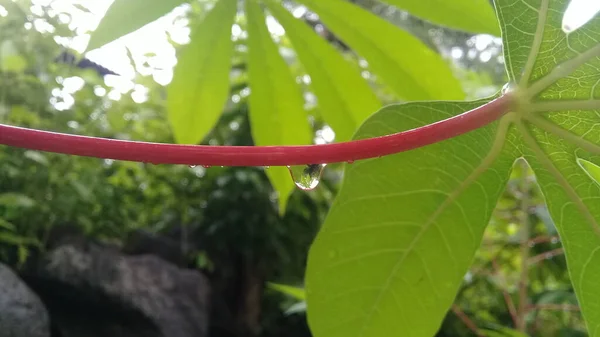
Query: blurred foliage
x=226, y=219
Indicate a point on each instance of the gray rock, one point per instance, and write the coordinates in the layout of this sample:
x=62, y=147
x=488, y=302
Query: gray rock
x=22, y=313
x=92, y=290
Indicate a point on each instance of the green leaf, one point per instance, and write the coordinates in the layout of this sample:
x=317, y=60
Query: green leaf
x=475, y=16
x=295, y=292
x=344, y=97
x=126, y=16
x=10, y=58
x=23, y=253
x=200, y=86
x=81, y=8
x=592, y=170
x=37, y=157
x=82, y=190
x=7, y=225
x=403, y=229
x=503, y=332
x=277, y=115
x=296, y=308
x=116, y=119
x=16, y=200
x=557, y=77
x=17, y=240
x=404, y=63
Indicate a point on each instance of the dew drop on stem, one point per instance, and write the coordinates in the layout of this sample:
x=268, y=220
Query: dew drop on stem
x=508, y=87
x=306, y=177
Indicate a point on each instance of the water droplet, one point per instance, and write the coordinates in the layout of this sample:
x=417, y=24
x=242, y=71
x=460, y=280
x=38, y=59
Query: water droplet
x=192, y=166
x=206, y=166
x=508, y=87
x=306, y=177
x=554, y=240
x=267, y=167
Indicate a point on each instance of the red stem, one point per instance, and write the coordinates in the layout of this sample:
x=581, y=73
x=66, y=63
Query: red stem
x=160, y=153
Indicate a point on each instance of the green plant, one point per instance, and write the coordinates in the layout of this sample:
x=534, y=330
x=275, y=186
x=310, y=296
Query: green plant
x=377, y=268
x=405, y=227
x=200, y=85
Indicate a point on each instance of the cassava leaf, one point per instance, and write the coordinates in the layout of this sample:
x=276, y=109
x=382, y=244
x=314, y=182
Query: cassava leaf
x=126, y=16
x=200, y=86
x=277, y=115
x=405, y=64
x=476, y=16
x=558, y=124
x=403, y=229
x=591, y=169
x=344, y=97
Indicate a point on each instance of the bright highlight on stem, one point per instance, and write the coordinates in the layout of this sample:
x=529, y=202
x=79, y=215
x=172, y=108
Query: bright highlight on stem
x=160, y=153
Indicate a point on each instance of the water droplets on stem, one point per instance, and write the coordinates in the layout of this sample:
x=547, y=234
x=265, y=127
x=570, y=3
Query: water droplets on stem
x=306, y=177
x=507, y=88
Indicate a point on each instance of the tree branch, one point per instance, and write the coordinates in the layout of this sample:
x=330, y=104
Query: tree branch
x=466, y=320
x=547, y=255
x=160, y=153
x=543, y=239
x=525, y=236
x=552, y=306
x=510, y=305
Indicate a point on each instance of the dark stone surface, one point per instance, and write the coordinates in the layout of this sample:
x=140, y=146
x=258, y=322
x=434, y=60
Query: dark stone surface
x=96, y=291
x=22, y=313
x=143, y=242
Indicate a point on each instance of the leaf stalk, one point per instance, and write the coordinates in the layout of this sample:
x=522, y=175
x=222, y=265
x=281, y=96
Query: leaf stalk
x=207, y=155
